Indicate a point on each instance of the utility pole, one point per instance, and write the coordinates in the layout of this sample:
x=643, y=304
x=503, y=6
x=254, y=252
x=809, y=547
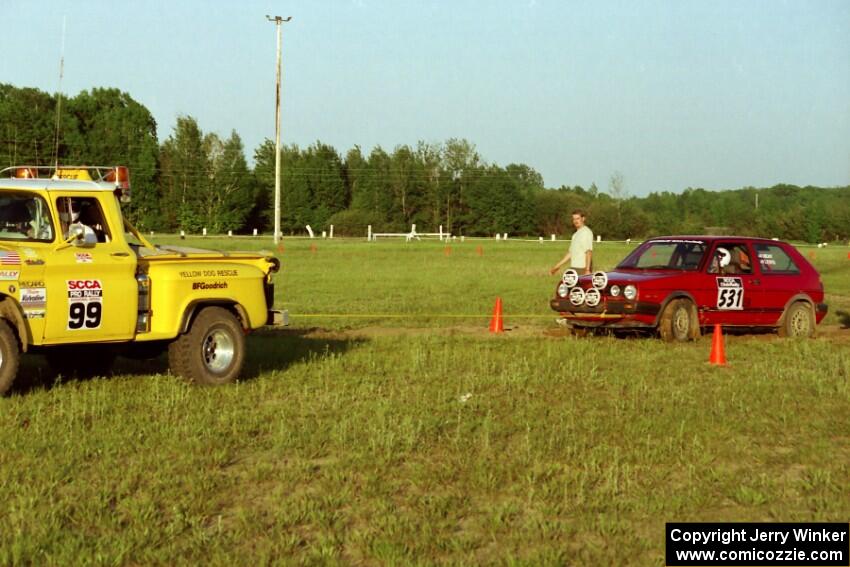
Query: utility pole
x=277, y=21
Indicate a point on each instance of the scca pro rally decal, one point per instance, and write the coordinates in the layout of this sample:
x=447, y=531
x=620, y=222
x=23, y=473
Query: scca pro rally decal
x=730, y=294
x=85, y=304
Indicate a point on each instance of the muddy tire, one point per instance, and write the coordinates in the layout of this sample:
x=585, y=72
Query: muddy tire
x=798, y=322
x=212, y=352
x=10, y=356
x=81, y=361
x=679, y=321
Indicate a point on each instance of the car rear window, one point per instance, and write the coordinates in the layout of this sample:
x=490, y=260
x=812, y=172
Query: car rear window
x=774, y=260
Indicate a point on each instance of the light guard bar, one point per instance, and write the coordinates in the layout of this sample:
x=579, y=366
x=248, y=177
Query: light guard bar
x=119, y=175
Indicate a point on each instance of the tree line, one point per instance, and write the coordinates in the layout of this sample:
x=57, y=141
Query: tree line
x=194, y=180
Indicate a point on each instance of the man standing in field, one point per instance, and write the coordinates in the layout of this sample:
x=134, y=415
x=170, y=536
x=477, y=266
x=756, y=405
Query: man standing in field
x=580, y=254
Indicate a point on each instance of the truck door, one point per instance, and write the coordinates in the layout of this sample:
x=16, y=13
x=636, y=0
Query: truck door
x=95, y=297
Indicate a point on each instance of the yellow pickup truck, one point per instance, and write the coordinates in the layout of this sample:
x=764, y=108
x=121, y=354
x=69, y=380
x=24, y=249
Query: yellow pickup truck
x=79, y=284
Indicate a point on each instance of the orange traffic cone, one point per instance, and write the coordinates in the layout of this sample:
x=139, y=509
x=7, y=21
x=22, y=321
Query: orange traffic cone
x=313, y=248
x=480, y=251
x=496, y=324
x=280, y=247
x=718, y=353
x=447, y=251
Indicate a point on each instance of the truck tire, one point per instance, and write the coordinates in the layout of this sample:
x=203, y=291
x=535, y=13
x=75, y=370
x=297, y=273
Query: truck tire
x=212, y=352
x=10, y=356
x=679, y=321
x=798, y=322
x=81, y=361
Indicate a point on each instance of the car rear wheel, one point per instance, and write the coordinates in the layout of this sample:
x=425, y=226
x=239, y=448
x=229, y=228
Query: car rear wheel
x=212, y=352
x=799, y=321
x=679, y=321
x=10, y=356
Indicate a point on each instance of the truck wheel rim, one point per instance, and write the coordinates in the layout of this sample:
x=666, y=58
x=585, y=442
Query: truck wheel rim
x=218, y=350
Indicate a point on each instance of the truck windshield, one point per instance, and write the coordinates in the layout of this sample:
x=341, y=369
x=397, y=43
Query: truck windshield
x=666, y=255
x=24, y=217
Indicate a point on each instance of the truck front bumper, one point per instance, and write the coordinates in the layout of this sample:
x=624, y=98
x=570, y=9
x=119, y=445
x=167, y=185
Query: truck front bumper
x=277, y=318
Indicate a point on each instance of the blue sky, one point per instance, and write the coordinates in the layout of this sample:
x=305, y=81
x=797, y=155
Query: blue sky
x=671, y=94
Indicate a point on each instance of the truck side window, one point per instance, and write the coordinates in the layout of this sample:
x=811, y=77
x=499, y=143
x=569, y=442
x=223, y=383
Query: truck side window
x=24, y=217
x=84, y=211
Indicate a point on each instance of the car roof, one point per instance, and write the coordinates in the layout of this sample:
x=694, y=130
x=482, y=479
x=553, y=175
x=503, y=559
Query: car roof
x=709, y=238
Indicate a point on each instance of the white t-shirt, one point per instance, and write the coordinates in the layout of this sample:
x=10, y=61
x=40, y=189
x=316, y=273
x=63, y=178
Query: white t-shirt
x=581, y=242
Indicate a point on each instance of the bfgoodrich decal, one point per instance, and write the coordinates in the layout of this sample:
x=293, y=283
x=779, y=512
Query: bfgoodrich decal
x=209, y=285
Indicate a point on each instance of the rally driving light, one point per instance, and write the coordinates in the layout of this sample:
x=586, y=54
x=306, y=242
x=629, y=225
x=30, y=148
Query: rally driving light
x=615, y=291
x=592, y=297
x=599, y=280
x=563, y=290
x=576, y=296
x=630, y=292
x=570, y=278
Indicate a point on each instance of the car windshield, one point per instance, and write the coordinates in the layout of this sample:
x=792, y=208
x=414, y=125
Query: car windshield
x=24, y=217
x=683, y=255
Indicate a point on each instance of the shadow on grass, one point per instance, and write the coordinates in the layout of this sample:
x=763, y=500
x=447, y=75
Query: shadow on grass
x=267, y=350
x=843, y=319
x=278, y=349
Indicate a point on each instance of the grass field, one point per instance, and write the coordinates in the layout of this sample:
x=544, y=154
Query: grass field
x=386, y=426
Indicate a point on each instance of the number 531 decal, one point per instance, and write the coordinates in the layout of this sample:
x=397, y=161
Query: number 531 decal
x=730, y=294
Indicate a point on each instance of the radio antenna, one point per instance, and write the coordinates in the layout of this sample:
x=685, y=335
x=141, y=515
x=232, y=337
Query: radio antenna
x=59, y=96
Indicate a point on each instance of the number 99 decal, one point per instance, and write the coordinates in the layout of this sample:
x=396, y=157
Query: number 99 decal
x=85, y=304
x=84, y=315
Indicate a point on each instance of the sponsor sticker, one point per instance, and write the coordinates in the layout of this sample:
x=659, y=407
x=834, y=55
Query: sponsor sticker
x=85, y=304
x=223, y=273
x=209, y=285
x=9, y=274
x=83, y=257
x=730, y=294
x=33, y=297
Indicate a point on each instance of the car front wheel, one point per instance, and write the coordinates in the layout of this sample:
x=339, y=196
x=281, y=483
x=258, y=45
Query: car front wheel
x=679, y=321
x=212, y=352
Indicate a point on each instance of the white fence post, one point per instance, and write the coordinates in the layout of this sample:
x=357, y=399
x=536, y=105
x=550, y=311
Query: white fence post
x=369, y=234
x=310, y=230
x=332, y=231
